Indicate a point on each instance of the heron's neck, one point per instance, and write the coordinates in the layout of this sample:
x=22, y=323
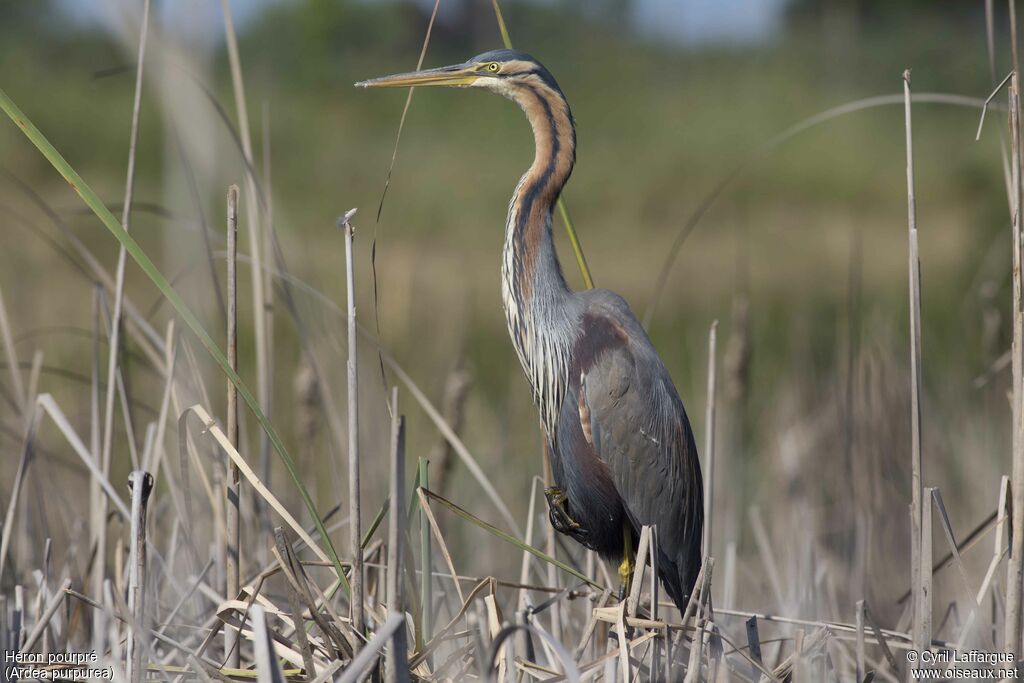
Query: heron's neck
x=536, y=297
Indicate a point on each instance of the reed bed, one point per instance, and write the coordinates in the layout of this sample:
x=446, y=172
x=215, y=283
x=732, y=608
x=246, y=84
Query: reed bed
x=185, y=560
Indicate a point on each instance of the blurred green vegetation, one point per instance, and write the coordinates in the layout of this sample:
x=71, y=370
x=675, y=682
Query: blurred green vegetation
x=658, y=127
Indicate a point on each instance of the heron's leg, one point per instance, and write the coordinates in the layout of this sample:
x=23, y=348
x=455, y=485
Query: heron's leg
x=627, y=567
x=558, y=512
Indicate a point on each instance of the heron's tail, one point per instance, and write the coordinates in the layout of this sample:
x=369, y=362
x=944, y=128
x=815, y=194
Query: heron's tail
x=679, y=573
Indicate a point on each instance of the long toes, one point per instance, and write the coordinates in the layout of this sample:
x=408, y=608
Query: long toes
x=556, y=497
x=557, y=522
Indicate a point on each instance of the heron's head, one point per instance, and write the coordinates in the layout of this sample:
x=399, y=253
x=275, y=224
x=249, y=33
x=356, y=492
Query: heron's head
x=506, y=72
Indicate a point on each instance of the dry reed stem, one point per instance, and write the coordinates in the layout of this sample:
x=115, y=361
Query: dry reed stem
x=642, y=553
x=397, y=667
x=261, y=332
x=267, y=668
x=231, y=504
x=44, y=618
x=500, y=652
x=235, y=612
x=269, y=238
x=439, y=637
x=523, y=600
x=97, y=507
x=997, y=556
x=282, y=549
x=859, y=664
x=620, y=632
x=19, y=479
x=141, y=484
x=426, y=561
x=926, y=583
x=394, y=625
x=210, y=427
x=990, y=48
x=122, y=255
x=153, y=443
x=709, y=437
x=1015, y=567
x=449, y=434
x=702, y=618
x=588, y=632
x=804, y=646
x=428, y=407
x=170, y=361
x=435, y=528
x=556, y=652
x=328, y=673
x=1013, y=35
x=947, y=528
x=921, y=638
x=549, y=536
x=469, y=517
x=354, y=509
x=45, y=403
x=103, y=454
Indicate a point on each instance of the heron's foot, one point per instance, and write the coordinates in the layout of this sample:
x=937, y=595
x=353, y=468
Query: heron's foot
x=558, y=512
x=626, y=570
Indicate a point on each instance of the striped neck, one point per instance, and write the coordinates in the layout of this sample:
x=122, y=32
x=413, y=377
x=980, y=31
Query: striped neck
x=534, y=290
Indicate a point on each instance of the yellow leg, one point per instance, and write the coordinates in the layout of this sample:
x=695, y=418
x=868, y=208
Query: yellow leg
x=627, y=567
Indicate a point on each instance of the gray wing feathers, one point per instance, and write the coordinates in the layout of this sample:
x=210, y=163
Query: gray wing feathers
x=640, y=430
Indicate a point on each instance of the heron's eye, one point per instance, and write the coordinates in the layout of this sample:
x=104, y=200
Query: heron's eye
x=493, y=67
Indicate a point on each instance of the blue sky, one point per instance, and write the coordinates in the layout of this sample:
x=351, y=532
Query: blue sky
x=685, y=22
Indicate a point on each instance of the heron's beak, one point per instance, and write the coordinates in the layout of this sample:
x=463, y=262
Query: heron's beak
x=456, y=75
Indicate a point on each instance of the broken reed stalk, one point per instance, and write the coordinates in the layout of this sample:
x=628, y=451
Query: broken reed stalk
x=141, y=484
x=355, y=528
x=396, y=661
x=232, y=557
x=1015, y=566
x=709, y=437
x=921, y=640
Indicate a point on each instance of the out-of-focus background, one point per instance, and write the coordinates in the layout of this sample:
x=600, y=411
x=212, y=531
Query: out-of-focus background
x=802, y=258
